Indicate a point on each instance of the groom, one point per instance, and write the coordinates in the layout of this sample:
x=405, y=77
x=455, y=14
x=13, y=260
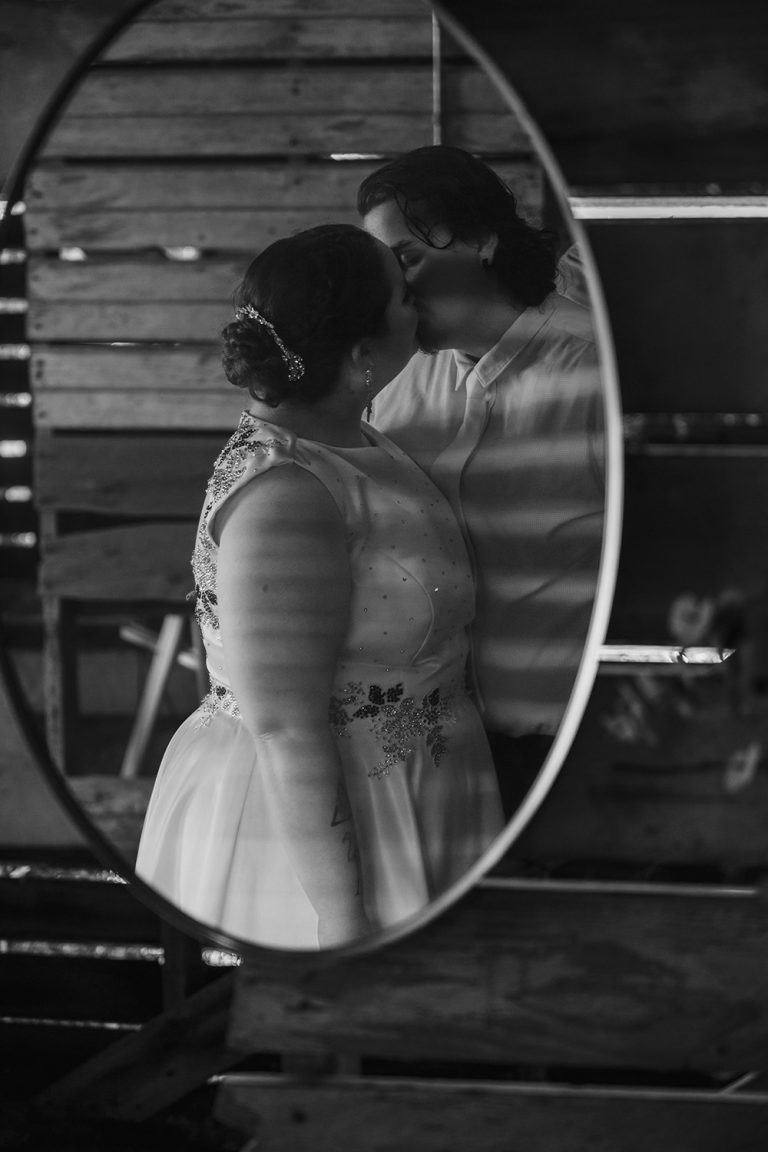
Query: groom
x=503, y=410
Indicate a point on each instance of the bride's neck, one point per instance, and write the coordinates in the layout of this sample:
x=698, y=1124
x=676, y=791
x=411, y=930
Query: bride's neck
x=326, y=422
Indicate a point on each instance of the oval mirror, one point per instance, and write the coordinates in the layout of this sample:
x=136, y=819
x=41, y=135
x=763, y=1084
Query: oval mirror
x=463, y=577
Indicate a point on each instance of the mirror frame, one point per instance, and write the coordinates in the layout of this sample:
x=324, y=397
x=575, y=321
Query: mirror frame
x=606, y=575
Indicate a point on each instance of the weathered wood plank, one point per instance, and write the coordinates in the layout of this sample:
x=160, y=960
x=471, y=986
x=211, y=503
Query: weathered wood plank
x=434, y=1116
x=196, y=321
x=235, y=184
x=184, y=10
x=147, y=562
x=239, y=206
x=128, y=474
x=110, y=409
x=391, y=86
x=129, y=369
x=152, y=278
x=300, y=37
x=134, y=387
x=253, y=134
x=193, y=184
x=244, y=230
x=536, y=973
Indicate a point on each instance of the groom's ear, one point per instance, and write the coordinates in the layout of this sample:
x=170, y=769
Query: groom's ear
x=487, y=247
x=360, y=355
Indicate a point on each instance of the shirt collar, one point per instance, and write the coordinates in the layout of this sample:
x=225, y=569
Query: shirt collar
x=519, y=334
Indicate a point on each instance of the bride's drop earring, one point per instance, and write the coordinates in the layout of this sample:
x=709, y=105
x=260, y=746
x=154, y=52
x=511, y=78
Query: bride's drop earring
x=368, y=394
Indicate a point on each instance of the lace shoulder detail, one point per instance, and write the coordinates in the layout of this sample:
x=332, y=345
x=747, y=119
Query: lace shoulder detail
x=255, y=447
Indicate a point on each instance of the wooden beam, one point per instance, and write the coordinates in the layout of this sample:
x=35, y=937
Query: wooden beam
x=313, y=36
x=145, y=1072
x=536, y=973
x=387, y=85
x=324, y=1116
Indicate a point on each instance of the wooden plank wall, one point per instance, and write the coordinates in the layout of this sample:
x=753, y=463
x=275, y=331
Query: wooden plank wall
x=605, y=989
x=218, y=139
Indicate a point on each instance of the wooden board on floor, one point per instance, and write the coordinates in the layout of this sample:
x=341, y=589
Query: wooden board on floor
x=435, y=1116
x=602, y=976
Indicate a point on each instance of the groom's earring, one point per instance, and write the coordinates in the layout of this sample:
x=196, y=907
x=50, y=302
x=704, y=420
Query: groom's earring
x=368, y=394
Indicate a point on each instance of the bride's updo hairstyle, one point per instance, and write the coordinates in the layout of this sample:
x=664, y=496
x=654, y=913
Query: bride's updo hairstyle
x=320, y=292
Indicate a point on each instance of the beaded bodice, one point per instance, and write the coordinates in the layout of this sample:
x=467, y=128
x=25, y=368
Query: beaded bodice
x=412, y=592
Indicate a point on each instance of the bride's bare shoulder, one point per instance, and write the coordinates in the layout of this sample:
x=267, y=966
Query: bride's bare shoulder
x=286, y=496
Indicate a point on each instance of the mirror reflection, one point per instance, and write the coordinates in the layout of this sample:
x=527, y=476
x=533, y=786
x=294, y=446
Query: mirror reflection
x=395, y=516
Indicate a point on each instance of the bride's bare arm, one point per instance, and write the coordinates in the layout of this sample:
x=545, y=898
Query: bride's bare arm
x=283, y=588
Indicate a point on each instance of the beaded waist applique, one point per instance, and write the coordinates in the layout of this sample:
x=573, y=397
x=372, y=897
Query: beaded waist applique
x=219, y=699
x=398, y=721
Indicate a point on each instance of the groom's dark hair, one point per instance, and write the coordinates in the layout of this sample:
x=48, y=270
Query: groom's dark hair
x=443, y=187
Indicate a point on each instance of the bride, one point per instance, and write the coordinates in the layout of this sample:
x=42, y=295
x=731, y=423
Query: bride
x=337, y=777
